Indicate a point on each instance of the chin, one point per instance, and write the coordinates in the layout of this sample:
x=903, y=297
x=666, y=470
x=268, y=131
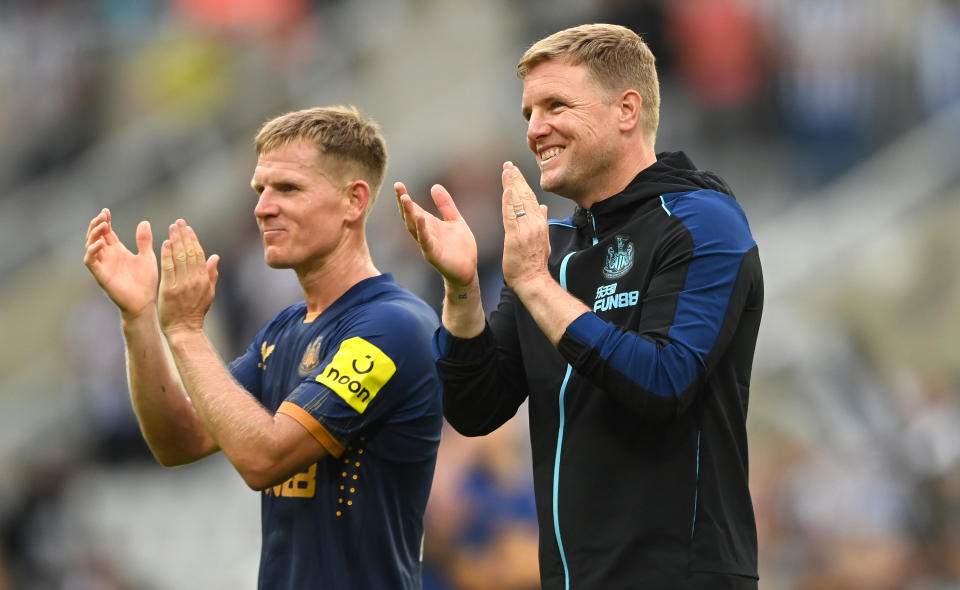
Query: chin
x=275, y=262
x=545, y=183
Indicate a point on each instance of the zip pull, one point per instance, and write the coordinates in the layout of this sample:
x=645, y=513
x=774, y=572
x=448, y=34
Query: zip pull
x=593, y=226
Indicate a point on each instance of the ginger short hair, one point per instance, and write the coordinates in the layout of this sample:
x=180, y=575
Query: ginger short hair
x=351, y=141
x=616, y=58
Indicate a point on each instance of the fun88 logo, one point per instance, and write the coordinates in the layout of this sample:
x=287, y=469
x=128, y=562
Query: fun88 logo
x=608, y=298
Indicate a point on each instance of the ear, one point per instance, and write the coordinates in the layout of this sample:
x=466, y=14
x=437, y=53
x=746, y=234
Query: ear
x=358, y=199
x=629, y=103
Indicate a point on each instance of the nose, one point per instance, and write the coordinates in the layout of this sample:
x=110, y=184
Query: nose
x=266, y=204
x=537, y=128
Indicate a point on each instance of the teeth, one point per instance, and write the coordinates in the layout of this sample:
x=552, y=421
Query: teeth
x=547, y=154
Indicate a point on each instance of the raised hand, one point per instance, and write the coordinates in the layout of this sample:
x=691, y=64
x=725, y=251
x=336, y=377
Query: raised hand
x=447, y=243
x=130, y=280
x=188, y=281
x=526, y=243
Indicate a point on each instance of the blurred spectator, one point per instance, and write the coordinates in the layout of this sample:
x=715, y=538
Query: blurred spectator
x=99, y=381
x=828, y=82
x=720, y=55
x=51, y=82
x=481, y=522
x=938, y=54
x=284, y=27
x=647, y=19
x=181, y=73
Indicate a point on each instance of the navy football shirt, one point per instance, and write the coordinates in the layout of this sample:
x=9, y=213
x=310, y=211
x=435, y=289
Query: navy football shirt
x=360, y=378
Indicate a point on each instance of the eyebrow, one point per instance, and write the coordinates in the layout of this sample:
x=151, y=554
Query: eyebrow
x=526, y=111
x=274, y=179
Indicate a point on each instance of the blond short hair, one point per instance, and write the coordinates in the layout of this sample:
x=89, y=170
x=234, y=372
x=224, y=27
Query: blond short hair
x=353, y=142
x=616, y=58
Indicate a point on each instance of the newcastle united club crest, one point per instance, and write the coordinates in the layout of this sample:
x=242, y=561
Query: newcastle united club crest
x=619, y=261
x=311, y=357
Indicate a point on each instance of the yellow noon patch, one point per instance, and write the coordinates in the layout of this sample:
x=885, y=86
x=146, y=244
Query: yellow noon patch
x=357, y=372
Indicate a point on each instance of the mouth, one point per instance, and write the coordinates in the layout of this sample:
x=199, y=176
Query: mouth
x=270, y=233
x=549, y=154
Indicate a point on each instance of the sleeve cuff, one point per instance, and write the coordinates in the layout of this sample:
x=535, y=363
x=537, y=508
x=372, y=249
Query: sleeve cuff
x=449, y=347
x=313, y=426
x=588, y=329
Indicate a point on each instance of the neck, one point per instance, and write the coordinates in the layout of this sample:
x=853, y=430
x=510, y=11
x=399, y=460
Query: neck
x=634, y=160
x=325, y=281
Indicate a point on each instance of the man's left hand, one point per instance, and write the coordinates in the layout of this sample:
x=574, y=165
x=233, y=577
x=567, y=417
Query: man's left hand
x=188, y=281
x=526, y=242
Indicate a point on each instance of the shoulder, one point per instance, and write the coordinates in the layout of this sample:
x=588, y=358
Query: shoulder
x=711, y=217
x=398, y=307
x=393, y=319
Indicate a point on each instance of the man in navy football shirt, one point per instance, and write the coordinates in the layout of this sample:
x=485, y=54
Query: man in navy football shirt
x=333, y=413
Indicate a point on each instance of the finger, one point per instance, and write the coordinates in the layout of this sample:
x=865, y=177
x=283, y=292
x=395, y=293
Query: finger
x=509, y=209
x=400, y=190
x=510, y=194
x=95, y=222
x=422, y=234
x=444, y=203
x=109, y=235
x=97, y=231
x=168, y=273
x=144, y=238
x=191, y=245
x=526, y=195
x=213, y=272
x=176, y=245
x=92, y=254
x=410, y=212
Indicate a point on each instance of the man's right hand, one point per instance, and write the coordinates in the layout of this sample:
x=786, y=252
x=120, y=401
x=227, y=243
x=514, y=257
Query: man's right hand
x=447, y=243
x=130, y=280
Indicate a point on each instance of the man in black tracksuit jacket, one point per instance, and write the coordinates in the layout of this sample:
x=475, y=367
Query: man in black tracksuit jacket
x=638, y=404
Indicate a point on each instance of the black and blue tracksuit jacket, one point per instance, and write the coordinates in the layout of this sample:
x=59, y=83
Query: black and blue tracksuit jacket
x=638, y=417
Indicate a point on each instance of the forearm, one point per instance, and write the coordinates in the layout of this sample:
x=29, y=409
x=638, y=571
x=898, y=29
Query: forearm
x=248, y=434
x=552, y=307
x=481, y=388
x=463, y=309
x=168, y=420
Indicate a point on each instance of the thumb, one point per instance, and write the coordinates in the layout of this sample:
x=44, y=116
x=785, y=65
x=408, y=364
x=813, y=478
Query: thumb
x=212, y=271
x=444, y=203
x=144, y=238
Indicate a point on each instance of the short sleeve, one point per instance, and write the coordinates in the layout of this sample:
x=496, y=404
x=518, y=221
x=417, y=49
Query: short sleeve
x=246, y=368
x=375, y=371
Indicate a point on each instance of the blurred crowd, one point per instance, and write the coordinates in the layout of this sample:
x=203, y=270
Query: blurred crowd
x=855, y=451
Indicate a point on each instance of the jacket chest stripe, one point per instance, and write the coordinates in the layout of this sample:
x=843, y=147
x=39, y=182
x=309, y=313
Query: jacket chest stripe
x=563, y=271
x=556, y=482
x=556, y=463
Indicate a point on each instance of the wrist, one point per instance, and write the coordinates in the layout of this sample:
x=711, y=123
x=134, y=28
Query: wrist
x=134, y=320
x=180, y=337
x=462, y=313
x=461, y=293
x=533, y=285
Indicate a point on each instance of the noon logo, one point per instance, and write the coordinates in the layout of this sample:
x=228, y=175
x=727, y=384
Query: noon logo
x=357, y=372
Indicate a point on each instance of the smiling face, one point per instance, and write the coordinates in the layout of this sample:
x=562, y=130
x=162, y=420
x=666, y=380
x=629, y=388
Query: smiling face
x=301, y=212
x=572, y=129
